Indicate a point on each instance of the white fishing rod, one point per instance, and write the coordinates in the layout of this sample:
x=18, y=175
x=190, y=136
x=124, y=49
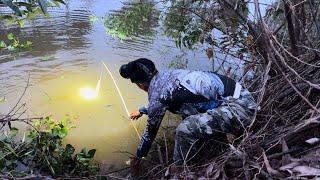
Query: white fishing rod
x=99, y=82
x=121, y=97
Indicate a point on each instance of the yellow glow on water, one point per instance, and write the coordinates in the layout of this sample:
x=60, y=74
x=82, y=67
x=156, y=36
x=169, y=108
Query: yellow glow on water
x=88, y=93
x=99, y=123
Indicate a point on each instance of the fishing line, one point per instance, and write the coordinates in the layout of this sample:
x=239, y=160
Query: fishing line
x=99, y=82
x=121, y=97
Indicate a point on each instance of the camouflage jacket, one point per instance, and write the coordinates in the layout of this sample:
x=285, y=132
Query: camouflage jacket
x=182, y=92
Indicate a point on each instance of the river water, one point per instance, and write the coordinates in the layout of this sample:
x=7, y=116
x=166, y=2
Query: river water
x=66, y=54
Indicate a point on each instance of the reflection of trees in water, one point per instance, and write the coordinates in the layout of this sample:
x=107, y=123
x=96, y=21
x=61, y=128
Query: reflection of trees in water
x=133, y=20
x=190, y=22
x=212, y=24
x=63, y=30
x=187, y=22
x=176, y=20
x=135, y=24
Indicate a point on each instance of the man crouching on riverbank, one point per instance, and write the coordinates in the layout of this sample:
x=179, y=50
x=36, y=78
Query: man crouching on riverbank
x=208, y=102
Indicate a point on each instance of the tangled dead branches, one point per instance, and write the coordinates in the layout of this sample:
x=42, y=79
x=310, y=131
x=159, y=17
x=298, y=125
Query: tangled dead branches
x=17, y=111
x=283, y=140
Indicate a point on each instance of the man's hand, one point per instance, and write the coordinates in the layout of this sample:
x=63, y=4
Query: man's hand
x=135, y=162
x=134, y=115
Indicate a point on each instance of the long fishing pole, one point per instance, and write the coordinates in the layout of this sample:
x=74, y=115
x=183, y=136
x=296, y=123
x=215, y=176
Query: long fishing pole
x=99, y=82
x=122, y=99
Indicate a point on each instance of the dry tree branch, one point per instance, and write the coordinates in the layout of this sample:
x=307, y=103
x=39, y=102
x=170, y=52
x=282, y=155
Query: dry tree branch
x=291, y=55
x=17, y=111
x=287, y=89
x=291, y=27
x=24, y=91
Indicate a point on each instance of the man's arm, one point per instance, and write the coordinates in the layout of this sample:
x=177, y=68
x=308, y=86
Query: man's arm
x=136, y=114
x=143, y=110
x=156, y=112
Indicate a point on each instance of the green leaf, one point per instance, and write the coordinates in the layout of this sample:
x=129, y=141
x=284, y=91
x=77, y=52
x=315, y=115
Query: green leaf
x=91, y=153
x=16, y=43
x=93, y=18
x=43, y=5
x=2, y=45
x=122, y=36
x=63, y=132
x=13, y=132
x=10, y=36
x=69, y=150
x=11, y=48
x=32, y=134
x=44, y=58
x=28, y=44
x=60, y=1
x=83, y=151
x=21, y=22
x=34, y=13
x=12, y=6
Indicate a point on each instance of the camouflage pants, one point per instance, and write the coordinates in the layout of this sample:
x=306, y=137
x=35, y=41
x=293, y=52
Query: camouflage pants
x=230, y=117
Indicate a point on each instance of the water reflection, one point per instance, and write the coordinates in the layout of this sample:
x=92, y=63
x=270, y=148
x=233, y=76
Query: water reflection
x=66, y=29
x=66, y=55
x=135, y=24
x=54, y=39
x=133, y=20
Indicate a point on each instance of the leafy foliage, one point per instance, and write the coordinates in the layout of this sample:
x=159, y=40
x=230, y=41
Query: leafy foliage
x=133, y=20
x=187, y=22
x=93, y=18
x=14, y=43
x=176, y=24
x=27, y=9
x=44, y=58
x=192, y=22
x=43, y=151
